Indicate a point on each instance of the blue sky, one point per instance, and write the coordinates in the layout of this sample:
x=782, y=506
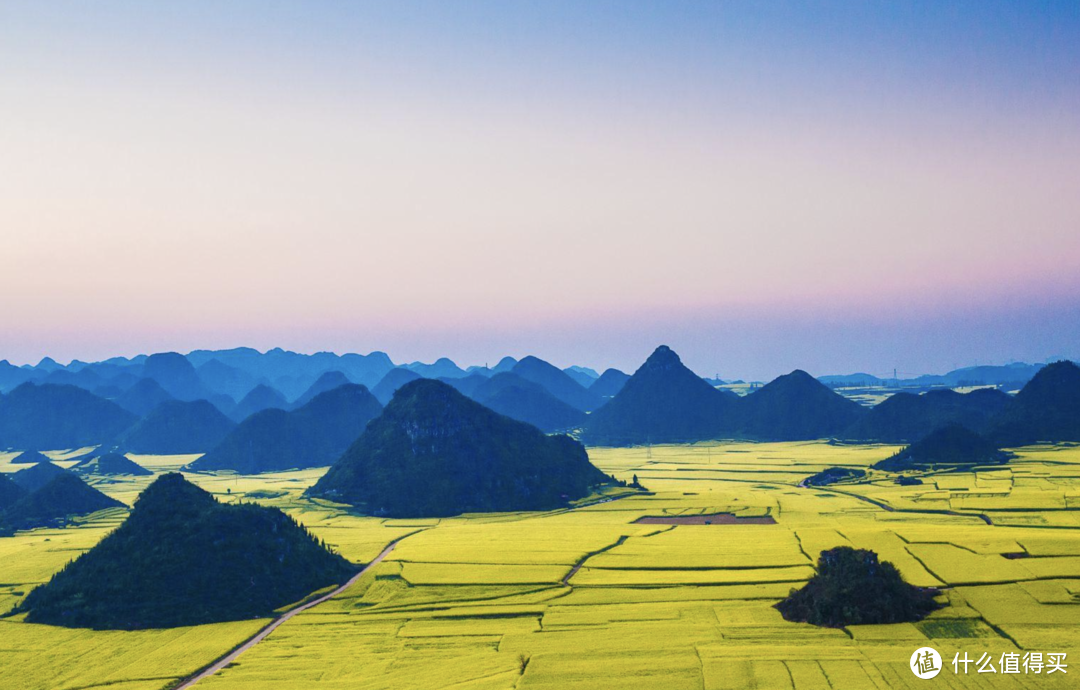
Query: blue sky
x=833, y=185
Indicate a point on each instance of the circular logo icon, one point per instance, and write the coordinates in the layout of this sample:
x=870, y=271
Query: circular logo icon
x=926, y=662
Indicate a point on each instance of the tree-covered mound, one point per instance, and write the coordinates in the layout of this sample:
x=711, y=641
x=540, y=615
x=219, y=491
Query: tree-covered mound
x=314, y=435
x=64, y=496
x=1047, y=409
x=663, y=402
x=906, y=417
x=49, y=417
x=852, y=587
x=512, y=396
x=832, y=475
x=795, y=407
x=112, y=465
x=435, y=453
x=177, y=426
x=952, y=445
x=183, y=558
x=36, y=476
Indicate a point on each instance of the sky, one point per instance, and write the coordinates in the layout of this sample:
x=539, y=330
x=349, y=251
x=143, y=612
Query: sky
x=834, y=186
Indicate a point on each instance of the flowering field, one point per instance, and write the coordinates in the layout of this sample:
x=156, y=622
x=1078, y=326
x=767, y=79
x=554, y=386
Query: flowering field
x=588, y=598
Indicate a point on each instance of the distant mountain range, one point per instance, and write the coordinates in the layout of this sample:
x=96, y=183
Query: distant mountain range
x=149, y=403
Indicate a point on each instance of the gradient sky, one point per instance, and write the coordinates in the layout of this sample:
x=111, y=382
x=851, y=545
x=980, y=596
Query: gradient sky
x=838, y=186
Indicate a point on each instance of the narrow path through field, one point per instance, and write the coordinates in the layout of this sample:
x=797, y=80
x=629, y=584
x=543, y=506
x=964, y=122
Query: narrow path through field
x=261, y=635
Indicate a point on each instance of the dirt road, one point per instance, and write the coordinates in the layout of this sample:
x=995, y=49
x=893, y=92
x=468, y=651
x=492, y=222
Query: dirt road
x=261, y=635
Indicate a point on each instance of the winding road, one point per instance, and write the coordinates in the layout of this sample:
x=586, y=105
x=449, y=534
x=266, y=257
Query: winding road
x=261, y=635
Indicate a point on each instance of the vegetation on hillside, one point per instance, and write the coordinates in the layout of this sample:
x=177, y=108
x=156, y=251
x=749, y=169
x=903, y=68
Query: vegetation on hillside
x=433, y=452
x=183, y=558
x=852, y=587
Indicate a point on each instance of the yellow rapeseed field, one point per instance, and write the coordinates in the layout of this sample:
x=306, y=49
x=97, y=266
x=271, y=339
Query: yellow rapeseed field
x=590, y=598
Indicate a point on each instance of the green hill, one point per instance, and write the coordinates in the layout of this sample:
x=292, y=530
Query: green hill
x=64, y=496
x=175, y=427
x=1046, y=409
x=906, y=417
x=314, y=435
x=663, y=402
x=433, y=452
x=951, y=445
x=852, y=587
x=182, y=558
x=795, y=407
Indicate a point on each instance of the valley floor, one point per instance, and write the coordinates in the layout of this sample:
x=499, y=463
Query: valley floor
x=588, y=598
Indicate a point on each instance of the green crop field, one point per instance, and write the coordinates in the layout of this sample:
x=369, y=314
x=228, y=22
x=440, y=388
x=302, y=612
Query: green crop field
x=588, y=598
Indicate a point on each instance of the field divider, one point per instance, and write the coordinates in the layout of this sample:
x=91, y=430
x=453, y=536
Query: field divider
x=273, y=625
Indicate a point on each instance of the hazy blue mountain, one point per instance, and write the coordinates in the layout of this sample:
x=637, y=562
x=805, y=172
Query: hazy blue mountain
x=218, y=377
x=142, y=397
x=394, y=379
x=609, y=383
x=795, y=407
x=476, y=370
x=176, y=427
x=175, y=374
x=512, y=396
x=584, y=377
x=558, y=383
x=1047, y=409
x=326, y=382
x=467, y=386
x=48, y=364
x=442, y=368
x=301, y=369
x=314, y=435
x=1016, y=374
x=12, y=376
x=182, y=558
x=505, y=364
x=434, y=453
x=261, y=397
x=663, y=402
x=907, y=417
x=858, y=380
x=48, y=417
